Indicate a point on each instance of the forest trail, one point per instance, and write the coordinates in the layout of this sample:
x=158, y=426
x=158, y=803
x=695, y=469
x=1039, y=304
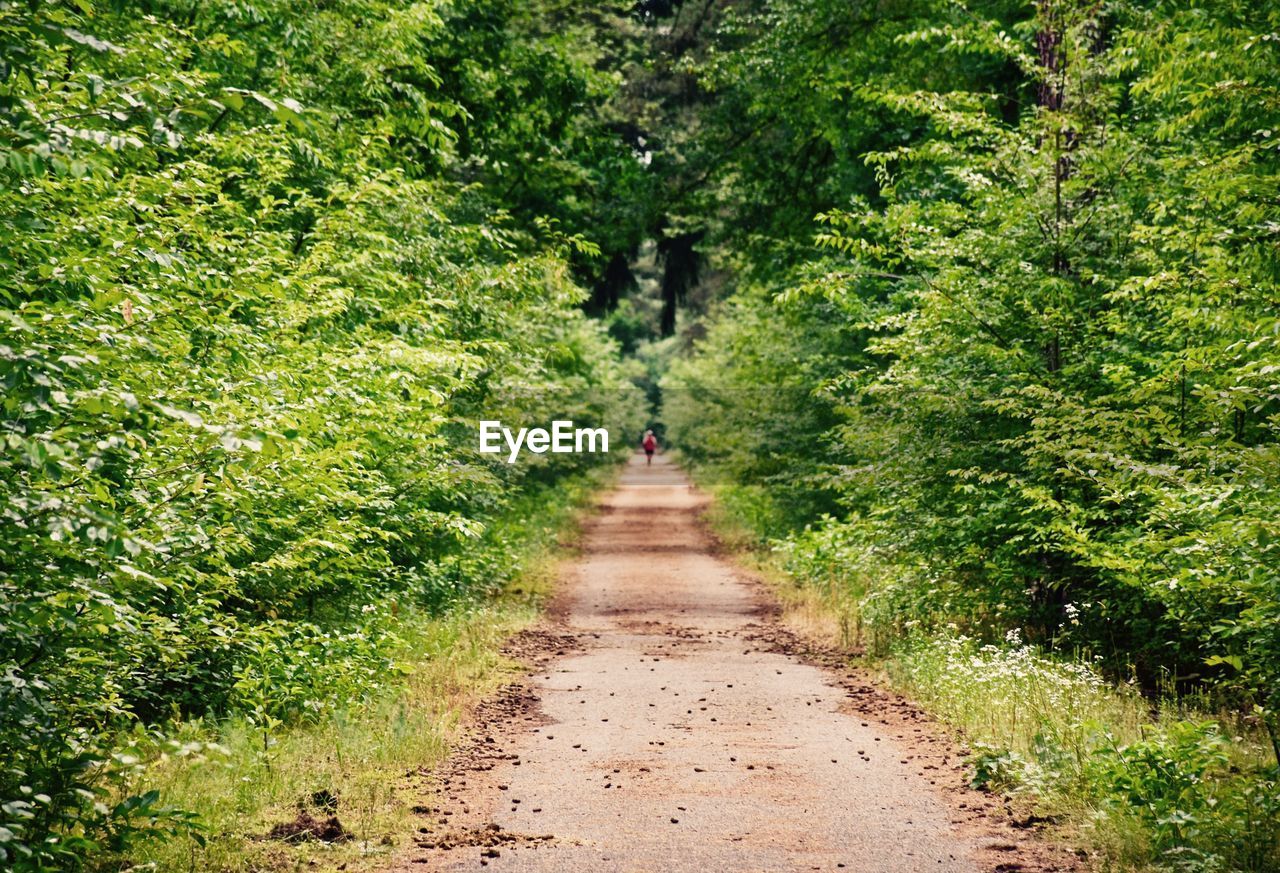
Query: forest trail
x=661, y=732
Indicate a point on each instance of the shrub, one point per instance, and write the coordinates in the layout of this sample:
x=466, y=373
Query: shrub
x=1180, y=793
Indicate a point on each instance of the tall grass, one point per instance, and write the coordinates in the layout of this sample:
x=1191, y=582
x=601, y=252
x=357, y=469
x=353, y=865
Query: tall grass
x=1148, y=784
x=359, y=757
x=368, y=762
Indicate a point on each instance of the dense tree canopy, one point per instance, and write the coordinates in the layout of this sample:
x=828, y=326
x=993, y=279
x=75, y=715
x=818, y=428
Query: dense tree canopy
x=263, y=267
x=1030, y=342
x=1002, y=353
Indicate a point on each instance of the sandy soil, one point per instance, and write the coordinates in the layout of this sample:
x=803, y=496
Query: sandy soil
x=669, y=723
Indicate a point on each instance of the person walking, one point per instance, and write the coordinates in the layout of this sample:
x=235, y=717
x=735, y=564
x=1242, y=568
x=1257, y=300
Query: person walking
x=650, y=445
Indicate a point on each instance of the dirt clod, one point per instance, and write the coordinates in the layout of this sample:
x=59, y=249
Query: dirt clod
x=305, y=827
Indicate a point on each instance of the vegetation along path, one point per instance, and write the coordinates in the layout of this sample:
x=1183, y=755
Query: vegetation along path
x=667, y=731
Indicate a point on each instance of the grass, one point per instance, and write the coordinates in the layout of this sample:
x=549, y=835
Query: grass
x=1144, y=784
x=374, y=761
x=359, y=757
x=825, y=608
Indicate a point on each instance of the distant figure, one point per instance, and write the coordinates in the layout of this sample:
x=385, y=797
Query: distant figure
x=650, y=444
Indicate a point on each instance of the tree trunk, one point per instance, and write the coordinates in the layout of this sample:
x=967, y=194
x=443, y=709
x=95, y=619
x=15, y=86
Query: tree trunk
x=680, y=267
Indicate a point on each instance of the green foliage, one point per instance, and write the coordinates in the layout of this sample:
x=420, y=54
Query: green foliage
x=756, y=402
x=1167, y=782
x=1034, y=349
x=1020, y=373
x=242, y=781
x=1178, y=792
x=996, y=769
x=265, y=264
x=252, y=310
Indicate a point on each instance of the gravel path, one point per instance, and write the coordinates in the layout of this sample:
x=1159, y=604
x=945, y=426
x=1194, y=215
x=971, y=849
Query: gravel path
x=662, y=732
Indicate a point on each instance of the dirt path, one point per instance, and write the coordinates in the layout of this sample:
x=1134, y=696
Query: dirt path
x=662, y=731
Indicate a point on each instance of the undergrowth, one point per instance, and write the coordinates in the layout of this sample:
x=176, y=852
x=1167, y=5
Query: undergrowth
x=352, y=764
x=364, y=763
x=1147, y=782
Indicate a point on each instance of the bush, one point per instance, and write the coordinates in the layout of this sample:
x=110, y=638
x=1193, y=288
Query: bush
x=245, y=338
x=1179, y=793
